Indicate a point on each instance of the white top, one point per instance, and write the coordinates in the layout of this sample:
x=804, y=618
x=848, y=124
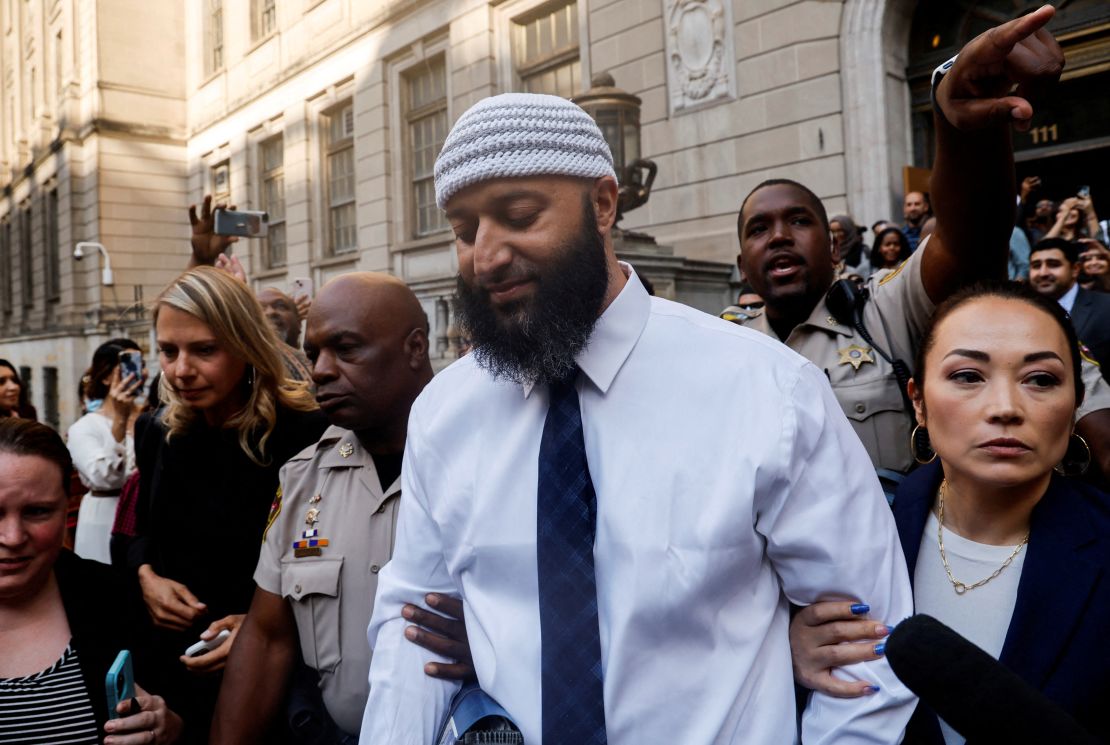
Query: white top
x=703, y=533
x=982, y=616
x=103, y=463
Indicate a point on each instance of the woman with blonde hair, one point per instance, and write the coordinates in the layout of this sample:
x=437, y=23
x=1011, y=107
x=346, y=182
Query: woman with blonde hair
x=208, y=464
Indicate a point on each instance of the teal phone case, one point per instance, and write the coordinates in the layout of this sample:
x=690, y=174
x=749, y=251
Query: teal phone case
x=119, y=684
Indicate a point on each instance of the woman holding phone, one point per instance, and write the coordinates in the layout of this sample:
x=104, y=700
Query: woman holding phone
x=63, y=620
x=208, y=466
x=1001, y=544
x=101, y=444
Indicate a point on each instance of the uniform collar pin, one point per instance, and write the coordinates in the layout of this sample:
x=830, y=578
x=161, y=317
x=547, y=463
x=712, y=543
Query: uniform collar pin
x=346, y=449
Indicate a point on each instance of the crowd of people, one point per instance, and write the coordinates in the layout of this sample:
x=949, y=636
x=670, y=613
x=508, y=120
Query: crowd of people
x=312, y=539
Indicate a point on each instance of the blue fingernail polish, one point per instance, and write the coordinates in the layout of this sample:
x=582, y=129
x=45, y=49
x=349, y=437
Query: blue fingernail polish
x=880, y=647
x=872, y=689
x=860, y=608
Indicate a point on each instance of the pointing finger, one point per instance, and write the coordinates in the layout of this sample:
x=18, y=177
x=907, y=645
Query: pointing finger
x=1003, y=38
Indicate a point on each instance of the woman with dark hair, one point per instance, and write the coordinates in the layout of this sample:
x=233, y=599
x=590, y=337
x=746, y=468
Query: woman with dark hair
x=102, y=447
x=11, y=389
x=1075, y=219
x=208, y=473
x=1001, y=545
x=849, y=243
x=890, y=249
x=63, y=620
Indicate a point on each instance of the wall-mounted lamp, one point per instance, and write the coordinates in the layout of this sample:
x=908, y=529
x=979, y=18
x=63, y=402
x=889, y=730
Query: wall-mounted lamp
x=105, y=274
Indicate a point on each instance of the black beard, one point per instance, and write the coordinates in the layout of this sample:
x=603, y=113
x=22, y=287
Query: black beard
x=536, y=340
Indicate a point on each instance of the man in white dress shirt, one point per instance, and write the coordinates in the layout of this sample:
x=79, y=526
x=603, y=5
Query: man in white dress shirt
x=672, y=625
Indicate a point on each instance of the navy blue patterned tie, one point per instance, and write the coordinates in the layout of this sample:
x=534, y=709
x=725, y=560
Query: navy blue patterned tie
x=566, y=517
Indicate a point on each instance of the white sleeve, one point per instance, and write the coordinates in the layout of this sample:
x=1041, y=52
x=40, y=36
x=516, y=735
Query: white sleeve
x=406, y=707
x=98, y=458
x=830, y=535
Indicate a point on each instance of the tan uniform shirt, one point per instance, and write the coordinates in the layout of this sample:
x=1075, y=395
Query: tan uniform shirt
x=332, y=594
x=864, y=383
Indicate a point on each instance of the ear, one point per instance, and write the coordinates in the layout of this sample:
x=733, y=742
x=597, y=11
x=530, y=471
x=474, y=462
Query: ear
x=606, y=197
x=416, y=348
x=918, y=401
x=740, y=262
x=834, y=248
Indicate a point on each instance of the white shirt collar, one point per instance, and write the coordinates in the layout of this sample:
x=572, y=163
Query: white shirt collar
x=615, y=333
x=1067, y=301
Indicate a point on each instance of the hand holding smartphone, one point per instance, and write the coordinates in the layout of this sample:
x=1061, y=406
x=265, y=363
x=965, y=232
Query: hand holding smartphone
x=204, y=647
x=245, y=223
x=119, y=684
x=131, y=363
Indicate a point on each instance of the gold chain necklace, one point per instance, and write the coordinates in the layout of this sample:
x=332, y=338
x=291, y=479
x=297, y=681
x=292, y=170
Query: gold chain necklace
x=958, y=586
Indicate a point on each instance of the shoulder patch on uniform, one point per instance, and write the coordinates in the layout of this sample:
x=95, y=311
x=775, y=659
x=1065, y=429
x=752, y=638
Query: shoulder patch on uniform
x=893, y=274
x=739, y=315
x=275, y=510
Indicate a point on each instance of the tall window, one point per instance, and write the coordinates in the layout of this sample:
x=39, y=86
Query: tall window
x=213, y=36
x=50, y=397
x=271, y=160
x=6, y=267
x=263, y=18
x=426, y=113
x=221, y=183
x=26, y=274
x=340, y=179
x=53, y=262
x=545, y=50
x=26, y=379
x=59, y=84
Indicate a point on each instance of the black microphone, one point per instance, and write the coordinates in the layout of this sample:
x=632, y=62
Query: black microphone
x=974, y=693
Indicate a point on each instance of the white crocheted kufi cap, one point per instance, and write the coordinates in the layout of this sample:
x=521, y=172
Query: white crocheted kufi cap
x=520, y=134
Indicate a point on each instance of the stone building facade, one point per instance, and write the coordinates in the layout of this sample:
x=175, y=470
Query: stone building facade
x=92, y=148
x=328, y=114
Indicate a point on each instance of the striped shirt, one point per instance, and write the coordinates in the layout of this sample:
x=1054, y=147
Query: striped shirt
x=48, y=708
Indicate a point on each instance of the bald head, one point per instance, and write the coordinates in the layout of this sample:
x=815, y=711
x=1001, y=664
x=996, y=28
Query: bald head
x=379, y=303
x=367, y=339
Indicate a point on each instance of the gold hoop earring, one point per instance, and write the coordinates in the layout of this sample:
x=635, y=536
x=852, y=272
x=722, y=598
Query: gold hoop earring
x=1077, y=458
x=920, y=447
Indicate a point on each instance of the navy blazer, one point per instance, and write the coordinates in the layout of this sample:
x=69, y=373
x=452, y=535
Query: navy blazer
x=1059, y=635
x=1090, y=315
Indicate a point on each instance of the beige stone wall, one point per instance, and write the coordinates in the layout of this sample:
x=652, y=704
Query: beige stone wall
x=92, y=105
x=784, y=122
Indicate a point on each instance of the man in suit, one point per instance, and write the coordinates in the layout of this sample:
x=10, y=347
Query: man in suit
x=1054, y=271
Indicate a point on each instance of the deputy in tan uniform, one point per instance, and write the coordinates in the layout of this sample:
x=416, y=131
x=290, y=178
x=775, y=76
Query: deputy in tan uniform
x=330, y=535
x=862, y=378
x=333, y=523
x=788, y=256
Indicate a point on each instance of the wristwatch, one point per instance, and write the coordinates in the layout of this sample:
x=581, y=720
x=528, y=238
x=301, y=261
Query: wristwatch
x=938, y=75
